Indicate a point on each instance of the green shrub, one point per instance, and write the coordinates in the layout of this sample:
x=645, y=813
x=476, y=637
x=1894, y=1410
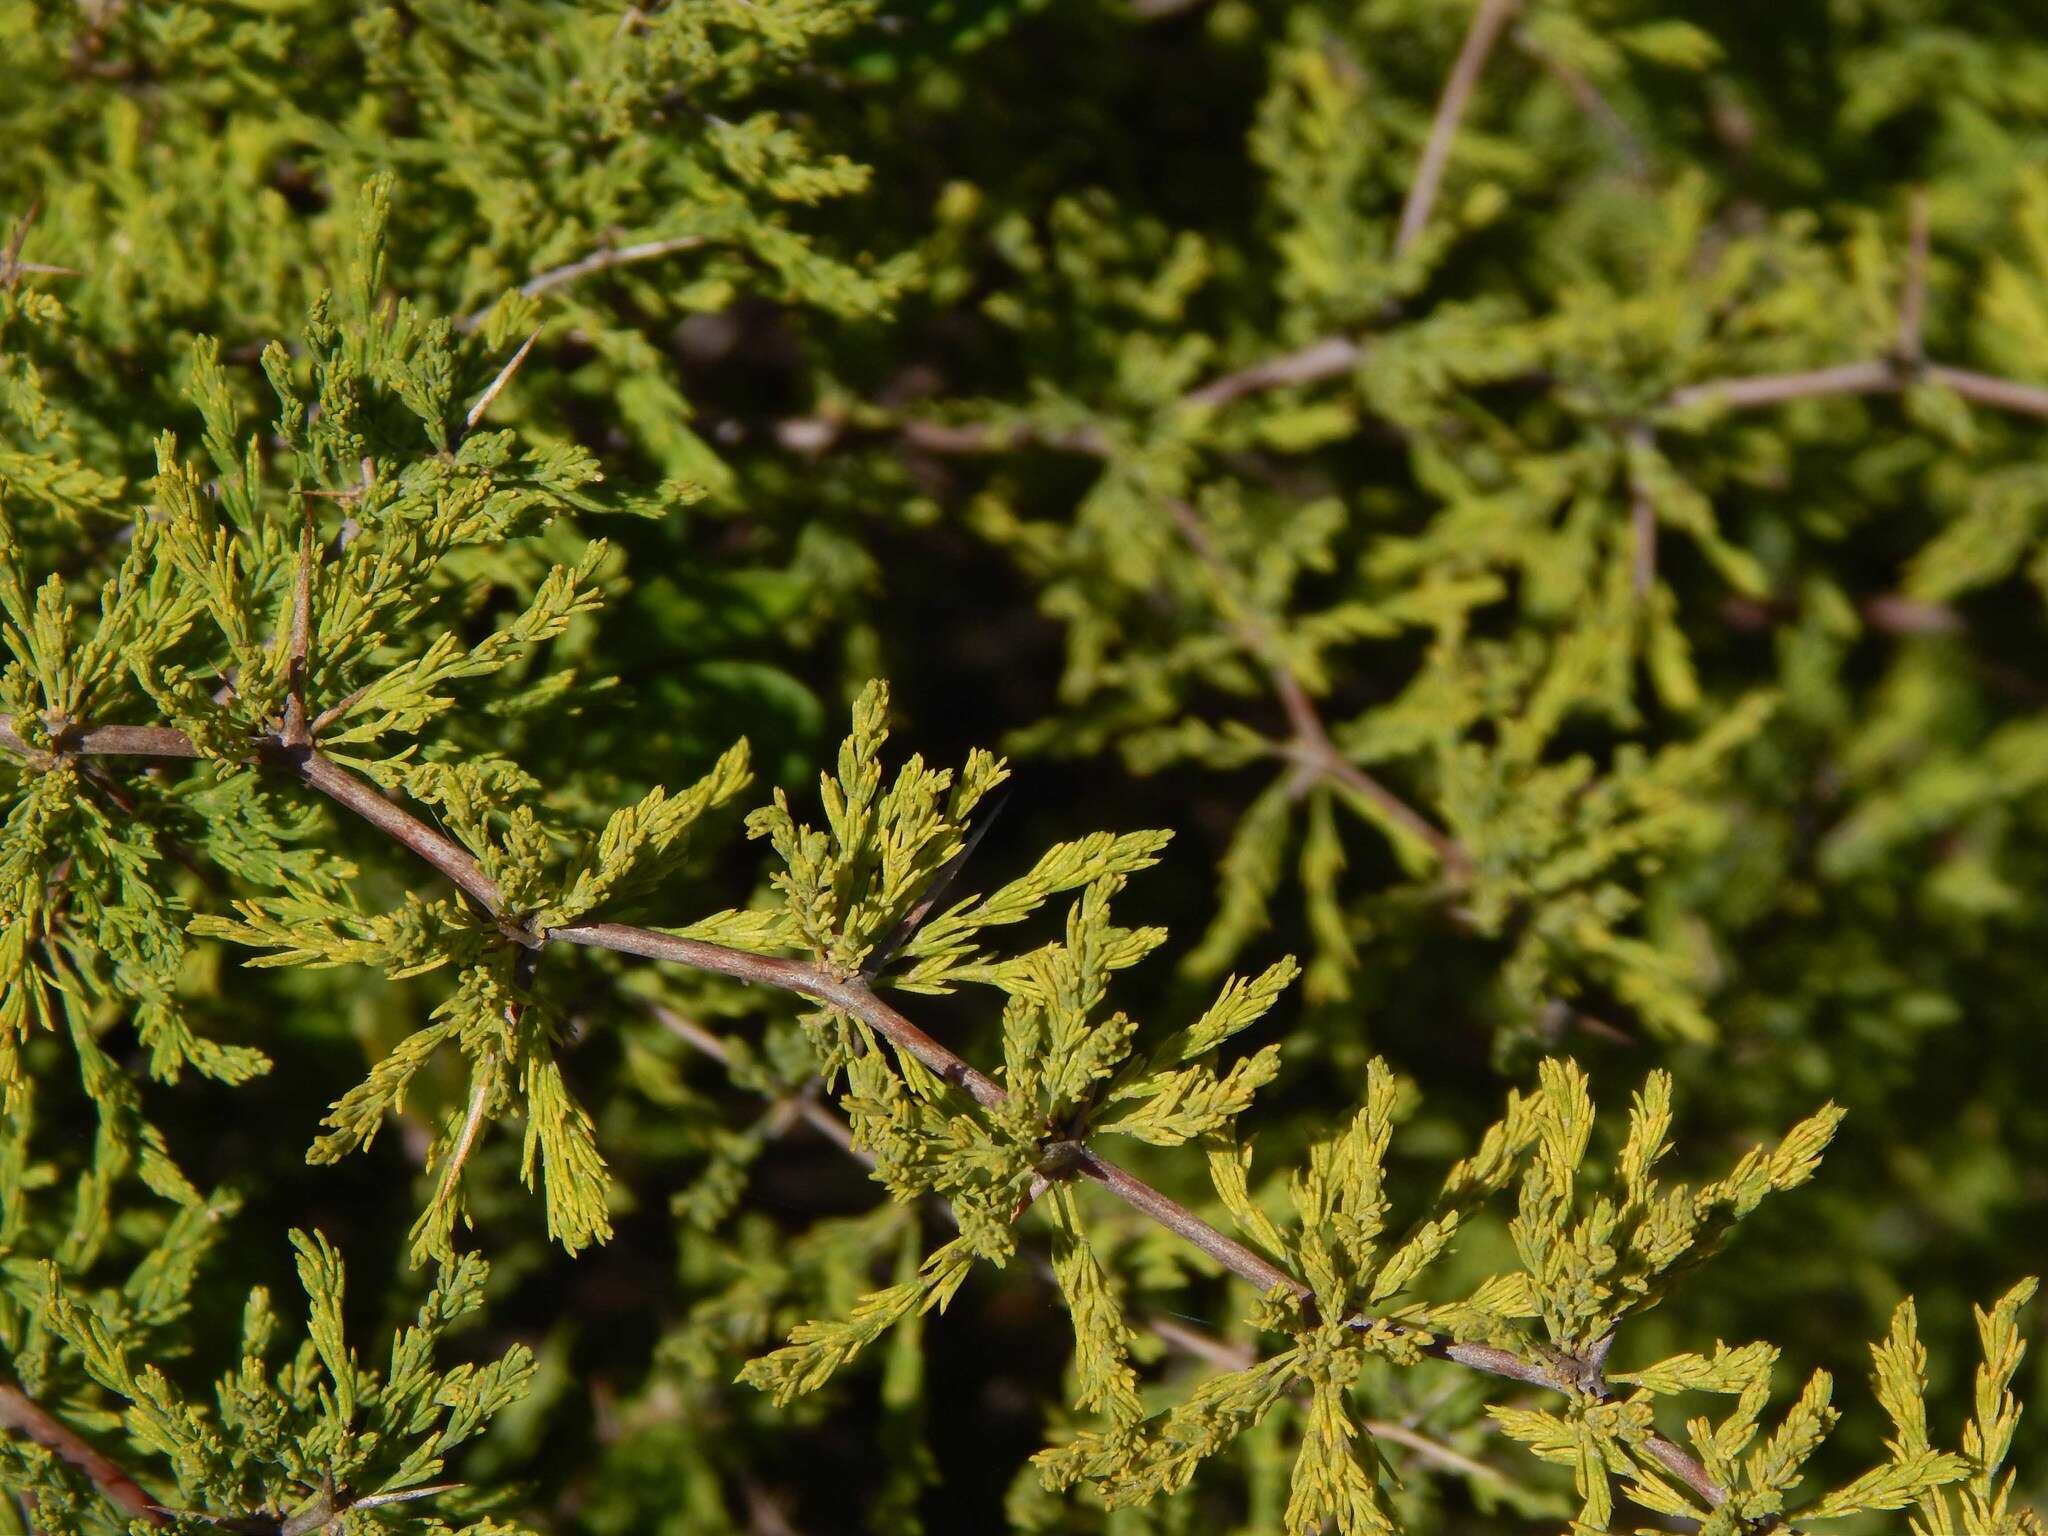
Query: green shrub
x=1544, y=498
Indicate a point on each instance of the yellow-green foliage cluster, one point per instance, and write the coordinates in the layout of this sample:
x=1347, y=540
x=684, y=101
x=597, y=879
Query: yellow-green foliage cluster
x=1532, y=506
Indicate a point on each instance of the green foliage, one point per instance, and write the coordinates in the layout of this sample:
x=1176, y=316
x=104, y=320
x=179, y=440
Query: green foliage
x=300, y=1445
x=1545, y=500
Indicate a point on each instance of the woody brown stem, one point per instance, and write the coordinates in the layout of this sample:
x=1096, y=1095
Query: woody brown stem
x=1177, y=1334
x=23, y=1414
x=854, y=998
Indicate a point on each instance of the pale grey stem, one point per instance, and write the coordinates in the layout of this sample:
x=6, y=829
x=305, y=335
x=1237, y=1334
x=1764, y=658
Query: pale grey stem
x=1480, y=37
x=596, y=261
x=1913, y=292
x=476, y=412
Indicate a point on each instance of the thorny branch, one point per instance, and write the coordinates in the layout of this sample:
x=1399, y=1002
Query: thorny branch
x=857, y=1000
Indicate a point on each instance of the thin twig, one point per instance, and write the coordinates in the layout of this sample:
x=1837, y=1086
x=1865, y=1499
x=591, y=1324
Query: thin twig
x=1871, y=378
x=1237, y=1357
x=834, y=1130
x=336, y=710
x=476, y=412
x=1175, y=1333
x=814, y=1114
x=855, y=999
x=1435, y=1450
x=597, y=261
x=1642, y=522
x=974, y=437
x=1893, y=613
x=765, y=1513
x=1913, y=291
x=402, y=1495
x=472, y=1121
x=2005, y=394
x=10, y=259
x=609, y=256
x=295, y=733
x=351, y=496
x=691, y=1033
x=986, y=811
x=1311, y=746
x=1591, y=102
x=1457, y=863
x=1480, y=36
x=20, y=1412
x=320, y=1515
x=1329, y=358
x=1334, y=356
x=1220, y=1353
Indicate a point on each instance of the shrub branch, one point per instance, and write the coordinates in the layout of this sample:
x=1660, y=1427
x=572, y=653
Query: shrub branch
x=22, y=1413
x=855, y=998
x=1480, y=36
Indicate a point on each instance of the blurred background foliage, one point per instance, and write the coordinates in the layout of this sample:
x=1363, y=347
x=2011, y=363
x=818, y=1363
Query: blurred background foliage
x=930, y=305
